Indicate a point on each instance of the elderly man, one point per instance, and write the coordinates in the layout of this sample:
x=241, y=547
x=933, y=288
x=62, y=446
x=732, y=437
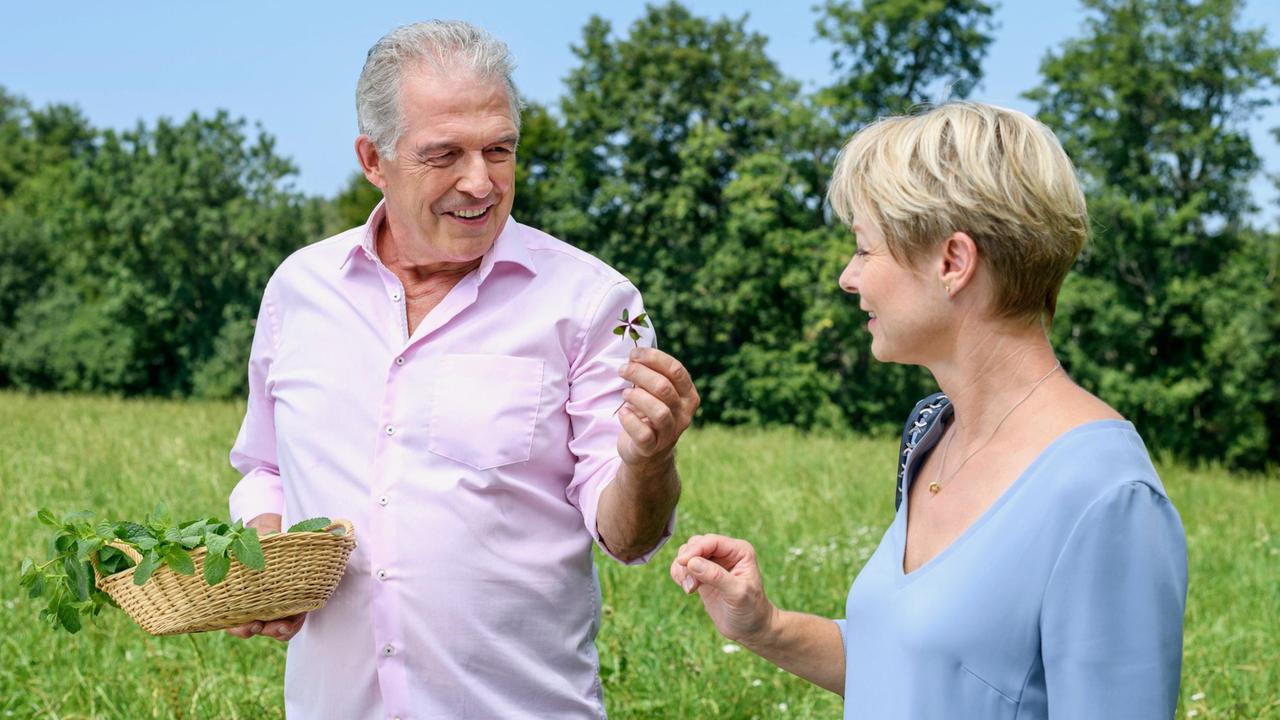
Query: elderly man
x=450, y=380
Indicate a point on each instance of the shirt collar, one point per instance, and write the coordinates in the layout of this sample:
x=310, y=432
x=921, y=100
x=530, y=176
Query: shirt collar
x=509, y=247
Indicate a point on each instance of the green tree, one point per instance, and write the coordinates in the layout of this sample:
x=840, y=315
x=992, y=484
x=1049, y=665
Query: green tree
x=891, y=56
x=352, y=205
x=1151, y=104
x=157, y=245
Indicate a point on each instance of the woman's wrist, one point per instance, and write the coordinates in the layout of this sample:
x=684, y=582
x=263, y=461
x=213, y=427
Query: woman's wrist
x=766, y=637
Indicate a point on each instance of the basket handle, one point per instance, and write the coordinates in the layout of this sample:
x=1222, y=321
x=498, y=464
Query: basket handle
x=347, y=528
x=128, y=550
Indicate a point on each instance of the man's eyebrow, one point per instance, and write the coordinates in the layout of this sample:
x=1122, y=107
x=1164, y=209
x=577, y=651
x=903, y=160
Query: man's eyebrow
x=433, y=148
x=429, y=149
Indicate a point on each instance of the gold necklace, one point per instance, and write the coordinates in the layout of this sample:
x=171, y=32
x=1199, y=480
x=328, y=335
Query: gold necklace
x=936, y=485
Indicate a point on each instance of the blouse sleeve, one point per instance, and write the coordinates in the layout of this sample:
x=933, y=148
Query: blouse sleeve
x=1111, y=625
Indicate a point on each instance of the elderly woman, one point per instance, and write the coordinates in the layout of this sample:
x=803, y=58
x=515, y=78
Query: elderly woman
x=1035, y=567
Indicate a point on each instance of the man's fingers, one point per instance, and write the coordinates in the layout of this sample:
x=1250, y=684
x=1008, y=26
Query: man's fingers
x=281, y=629
x=246, y=630
x=667, y=366
x=284, y=628
x=650, y=408
x=657, y=384
x=641, y=433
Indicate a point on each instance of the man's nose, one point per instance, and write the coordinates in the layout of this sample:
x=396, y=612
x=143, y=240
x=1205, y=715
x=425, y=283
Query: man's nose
x=475, y=180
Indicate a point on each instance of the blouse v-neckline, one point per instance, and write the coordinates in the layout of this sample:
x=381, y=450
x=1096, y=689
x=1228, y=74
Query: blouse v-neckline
x=930, y=441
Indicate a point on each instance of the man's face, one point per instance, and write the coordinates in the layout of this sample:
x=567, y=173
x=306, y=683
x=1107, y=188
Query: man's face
x=450, y=187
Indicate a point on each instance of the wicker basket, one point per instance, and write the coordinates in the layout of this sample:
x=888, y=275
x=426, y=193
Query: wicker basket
x=302, y=571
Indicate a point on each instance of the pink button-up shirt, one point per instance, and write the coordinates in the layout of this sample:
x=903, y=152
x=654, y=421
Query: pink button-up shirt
x=470, y=457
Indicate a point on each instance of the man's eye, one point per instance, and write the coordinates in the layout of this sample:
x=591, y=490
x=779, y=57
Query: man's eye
x=860, y=253
x=499, y=151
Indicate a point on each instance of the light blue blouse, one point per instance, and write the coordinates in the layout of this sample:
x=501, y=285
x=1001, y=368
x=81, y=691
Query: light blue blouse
x=1064, y=599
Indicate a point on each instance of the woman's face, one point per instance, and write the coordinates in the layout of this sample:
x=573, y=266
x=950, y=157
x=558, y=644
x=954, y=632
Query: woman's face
x=905, y=320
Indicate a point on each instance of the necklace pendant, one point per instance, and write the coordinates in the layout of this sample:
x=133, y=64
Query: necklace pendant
x=934, y=487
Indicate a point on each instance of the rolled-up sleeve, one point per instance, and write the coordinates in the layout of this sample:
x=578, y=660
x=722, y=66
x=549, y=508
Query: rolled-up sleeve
x=595, y=393
x=254, y=453
x=1112, y=617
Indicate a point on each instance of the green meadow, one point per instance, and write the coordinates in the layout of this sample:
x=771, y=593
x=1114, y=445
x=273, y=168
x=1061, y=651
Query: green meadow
x=814, y=505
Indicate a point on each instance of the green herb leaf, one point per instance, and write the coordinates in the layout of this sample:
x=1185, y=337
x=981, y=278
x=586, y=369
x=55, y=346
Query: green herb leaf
x=112, y=560
x=315, y=524
x=625, y=315
x=215, y=568
x=620, y=330
x=217, y=544
x=146, y=542
x=641, y=320
x=69, y=617
x=78, y=516
x=77, y=577
x=47, y=517
x=179, y=560
x=149, y=563
x=247, y=549
x=131, y=531
x=37, y=587
x=86, y=547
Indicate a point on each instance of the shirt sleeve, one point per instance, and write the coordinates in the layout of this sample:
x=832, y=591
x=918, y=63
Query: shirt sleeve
x=254, y=453
x=595, y=393
x=1111, y=625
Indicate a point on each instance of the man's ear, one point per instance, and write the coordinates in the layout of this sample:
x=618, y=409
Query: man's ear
x=370, y=162
x=958, y=263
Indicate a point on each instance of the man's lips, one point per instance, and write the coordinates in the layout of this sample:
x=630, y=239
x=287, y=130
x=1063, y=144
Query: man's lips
x=470, y=215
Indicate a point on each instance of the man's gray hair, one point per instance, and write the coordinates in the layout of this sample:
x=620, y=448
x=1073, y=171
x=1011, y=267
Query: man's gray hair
x=441, y=45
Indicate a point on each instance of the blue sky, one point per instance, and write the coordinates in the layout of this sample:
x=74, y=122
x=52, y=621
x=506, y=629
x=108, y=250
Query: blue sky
x=293, y=67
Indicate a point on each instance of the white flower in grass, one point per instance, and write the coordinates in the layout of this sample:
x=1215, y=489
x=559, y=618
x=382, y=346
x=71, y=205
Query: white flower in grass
x=756, y=683
x=1197, y=697
x=730, y=648
x=782, y=707
x=1192, y=713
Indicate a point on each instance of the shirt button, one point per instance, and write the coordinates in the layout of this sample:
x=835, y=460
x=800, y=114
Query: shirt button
x=400, y=361
x=382, y=574
x=382, y=500
x=391, y=430
x=388, y=649
x=395, y=296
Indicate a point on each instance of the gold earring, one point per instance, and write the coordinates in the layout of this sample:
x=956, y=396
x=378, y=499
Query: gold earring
x=947, y=288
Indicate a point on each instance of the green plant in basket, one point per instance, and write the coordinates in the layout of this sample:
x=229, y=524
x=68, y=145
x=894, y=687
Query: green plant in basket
x=79, y=543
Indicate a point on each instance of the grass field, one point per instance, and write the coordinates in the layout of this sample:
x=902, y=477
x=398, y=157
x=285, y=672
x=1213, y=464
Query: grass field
x=814, y=506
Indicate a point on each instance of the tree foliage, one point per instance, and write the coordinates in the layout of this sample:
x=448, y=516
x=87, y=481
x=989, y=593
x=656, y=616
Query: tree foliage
x=133, y=261
x=1151, y=103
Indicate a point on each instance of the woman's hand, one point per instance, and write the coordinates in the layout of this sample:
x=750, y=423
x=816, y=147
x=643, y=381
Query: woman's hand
x=723, y=571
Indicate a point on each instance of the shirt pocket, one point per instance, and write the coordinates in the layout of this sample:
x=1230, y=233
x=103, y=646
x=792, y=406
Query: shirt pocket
x=484, y=409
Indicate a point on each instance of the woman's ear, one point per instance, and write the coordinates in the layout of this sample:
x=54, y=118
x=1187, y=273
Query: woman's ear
x=958, y=263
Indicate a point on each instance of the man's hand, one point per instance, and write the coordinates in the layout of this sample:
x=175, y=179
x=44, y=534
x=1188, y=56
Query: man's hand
x=284, y=628
x=657, y=410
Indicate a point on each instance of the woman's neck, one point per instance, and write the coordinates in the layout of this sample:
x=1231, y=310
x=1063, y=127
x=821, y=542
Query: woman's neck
x=991, y=369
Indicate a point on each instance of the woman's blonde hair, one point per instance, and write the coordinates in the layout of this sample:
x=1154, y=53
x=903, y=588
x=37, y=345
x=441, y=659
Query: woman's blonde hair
x=997, y=175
